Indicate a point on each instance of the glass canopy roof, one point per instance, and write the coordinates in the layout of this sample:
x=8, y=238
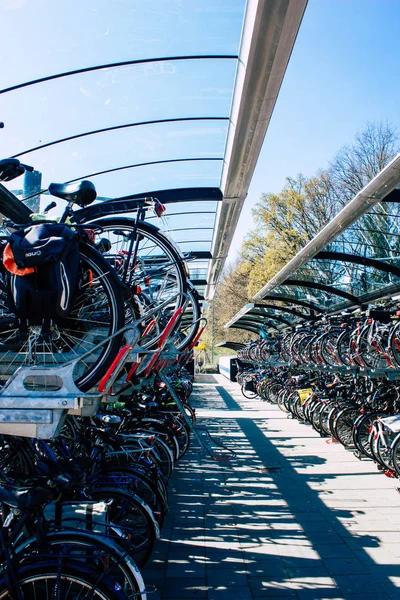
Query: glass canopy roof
x=140, y=96
x=135, y=95
x=351, y=262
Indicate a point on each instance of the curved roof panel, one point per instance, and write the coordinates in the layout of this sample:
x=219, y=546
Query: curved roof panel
x=142, y=95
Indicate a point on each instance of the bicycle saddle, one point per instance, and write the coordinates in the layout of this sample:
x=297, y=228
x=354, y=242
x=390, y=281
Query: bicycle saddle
x=82, y=193
x=10, y=168
x=25, y=497
x=382, y=315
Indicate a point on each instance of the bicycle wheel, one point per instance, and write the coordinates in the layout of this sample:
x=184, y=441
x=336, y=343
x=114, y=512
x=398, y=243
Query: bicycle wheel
x=344, y=424
x=396, y=454
x=190, y=322
x=382, y=449
x=271, y=392
x=394, y=343
x=54, y=580
x=99, y=552
x=163, y=456
x=281, y=400
x=328, y=347
x=97, y=313
x=368, y=354
x=136, y=482
x=324, y=417
x=362, y=432
x=133, y=515
x=315, y=416
x=248, y=393
x=343, y=351
x=145, y=259
x=298, y=410
x=182, y=433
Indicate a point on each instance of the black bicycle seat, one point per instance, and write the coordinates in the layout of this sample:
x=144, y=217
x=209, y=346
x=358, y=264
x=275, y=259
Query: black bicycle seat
x=10, y=168
x=382, y=315
x=82, y=193
x=24, y=497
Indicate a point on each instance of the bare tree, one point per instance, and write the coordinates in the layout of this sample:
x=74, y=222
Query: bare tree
x=355, y=165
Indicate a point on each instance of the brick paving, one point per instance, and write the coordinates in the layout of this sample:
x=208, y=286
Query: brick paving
x=289, y=517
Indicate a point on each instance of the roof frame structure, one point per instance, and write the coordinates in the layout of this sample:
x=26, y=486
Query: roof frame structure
x=261, y=56
x=250, y=327
x=290, y=311
x=115, y=65
x=293, y=300
x=383, y=188
x=231, y=345
x=374, y=192
x=314, y=285
x=269, y=32
x=379, y=265
x=255, y=316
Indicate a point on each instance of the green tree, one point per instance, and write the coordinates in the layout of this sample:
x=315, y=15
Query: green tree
x=287, y=220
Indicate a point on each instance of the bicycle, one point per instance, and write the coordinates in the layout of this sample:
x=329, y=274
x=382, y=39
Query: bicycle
x=95, y=314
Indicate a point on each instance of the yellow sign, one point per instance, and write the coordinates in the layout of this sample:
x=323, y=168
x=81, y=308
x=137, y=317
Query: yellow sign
x=304, y=394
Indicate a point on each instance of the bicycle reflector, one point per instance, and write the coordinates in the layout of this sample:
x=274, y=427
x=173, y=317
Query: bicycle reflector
x=91, y=235
x=159, y=208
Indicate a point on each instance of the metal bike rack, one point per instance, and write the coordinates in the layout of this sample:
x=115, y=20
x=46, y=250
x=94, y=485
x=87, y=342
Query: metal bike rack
x=36, y=400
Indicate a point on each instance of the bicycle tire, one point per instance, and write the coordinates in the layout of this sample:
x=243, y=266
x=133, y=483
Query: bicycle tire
x=129, y=511
x=191, y=319
x=344, y=426
x=249, y=394
x=104, y=551
x=97, y=313
x=281, y=401
x=383, y=454
x=119, y=230
x=324, y=417
x=71, y=582
x=315, y=415
x=396, y=454
x=362, y=431
x=142, y=485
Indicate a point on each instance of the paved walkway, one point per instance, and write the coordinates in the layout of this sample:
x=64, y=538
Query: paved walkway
x=289, y=517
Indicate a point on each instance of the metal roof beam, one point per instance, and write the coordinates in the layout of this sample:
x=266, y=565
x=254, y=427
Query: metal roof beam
x=374, y=192
x=294, y=300
x=259, y=316
x=231, y=345
x=269, y=32
x=127, y=204
x=377, y=264
x=291, y=311
x=321, y=286
x=256, y=323
x=114, y=128
x=249, y=328
x=115, y=65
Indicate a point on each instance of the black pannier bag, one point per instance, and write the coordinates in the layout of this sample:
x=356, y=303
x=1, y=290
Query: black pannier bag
x=48, y=292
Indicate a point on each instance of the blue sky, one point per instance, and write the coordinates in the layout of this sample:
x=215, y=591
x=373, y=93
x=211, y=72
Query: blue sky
x=344, y=71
